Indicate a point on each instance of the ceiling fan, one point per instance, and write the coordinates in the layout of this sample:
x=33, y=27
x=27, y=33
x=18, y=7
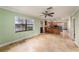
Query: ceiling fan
x=47, y=13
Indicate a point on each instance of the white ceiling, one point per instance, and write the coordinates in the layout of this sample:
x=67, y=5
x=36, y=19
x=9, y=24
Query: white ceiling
x=60, y=11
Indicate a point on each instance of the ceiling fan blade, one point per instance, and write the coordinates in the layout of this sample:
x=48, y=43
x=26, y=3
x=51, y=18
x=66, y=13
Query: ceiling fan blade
x=49, y=8
x=52, y=13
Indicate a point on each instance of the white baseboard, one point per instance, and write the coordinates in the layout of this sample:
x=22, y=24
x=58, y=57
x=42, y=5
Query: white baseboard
x=1, y=45
x=11, y=42
x=77, y=44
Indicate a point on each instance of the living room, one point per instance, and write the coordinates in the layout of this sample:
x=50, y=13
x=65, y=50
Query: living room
x=19, y=24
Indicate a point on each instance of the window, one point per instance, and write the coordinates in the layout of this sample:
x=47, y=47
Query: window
x=30, y=24
x=22, y=24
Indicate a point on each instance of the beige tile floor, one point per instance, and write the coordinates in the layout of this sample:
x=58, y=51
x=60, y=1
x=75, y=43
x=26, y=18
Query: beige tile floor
x=45, y=43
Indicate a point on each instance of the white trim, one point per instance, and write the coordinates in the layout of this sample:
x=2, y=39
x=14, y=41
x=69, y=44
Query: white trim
x=11, y=42
x=74, y=11
x=1, y=45
x=77, y=43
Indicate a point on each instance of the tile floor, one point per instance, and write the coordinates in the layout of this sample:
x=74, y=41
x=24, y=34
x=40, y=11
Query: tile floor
x=45, y=43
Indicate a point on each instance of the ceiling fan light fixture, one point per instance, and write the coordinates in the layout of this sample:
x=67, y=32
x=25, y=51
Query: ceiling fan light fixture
x=48, y=12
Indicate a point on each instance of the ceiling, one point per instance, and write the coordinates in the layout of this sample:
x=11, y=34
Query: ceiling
x=60, y=11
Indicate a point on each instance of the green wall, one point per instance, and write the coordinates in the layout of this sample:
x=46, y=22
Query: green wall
x=7, y=33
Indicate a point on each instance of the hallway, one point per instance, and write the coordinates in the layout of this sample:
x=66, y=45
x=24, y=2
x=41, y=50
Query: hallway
x=45, y=43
